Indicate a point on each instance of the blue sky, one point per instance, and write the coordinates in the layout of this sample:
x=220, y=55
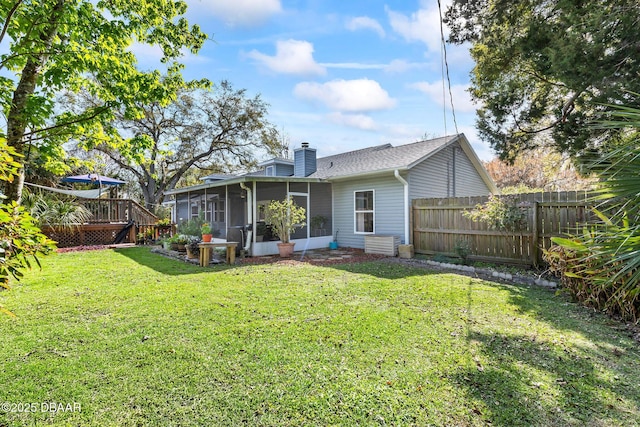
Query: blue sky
x=339, y=74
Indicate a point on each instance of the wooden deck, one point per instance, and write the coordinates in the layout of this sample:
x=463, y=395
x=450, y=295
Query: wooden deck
x=109, y=218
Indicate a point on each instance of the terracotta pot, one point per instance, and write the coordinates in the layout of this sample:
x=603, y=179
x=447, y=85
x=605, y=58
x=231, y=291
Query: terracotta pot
x=286, y=249
x=207, y=237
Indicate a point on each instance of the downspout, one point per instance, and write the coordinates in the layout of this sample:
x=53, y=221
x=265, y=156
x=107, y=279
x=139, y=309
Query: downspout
x=249, y=237
x=453, y=172
x=405, y=184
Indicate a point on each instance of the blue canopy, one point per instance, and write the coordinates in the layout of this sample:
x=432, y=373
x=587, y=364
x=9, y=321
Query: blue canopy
x=93, y=178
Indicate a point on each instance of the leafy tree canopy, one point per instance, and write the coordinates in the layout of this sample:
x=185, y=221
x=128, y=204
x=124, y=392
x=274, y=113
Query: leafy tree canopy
x=221, y=130
x=548, y=67
x=60, y=45
x=540, y=169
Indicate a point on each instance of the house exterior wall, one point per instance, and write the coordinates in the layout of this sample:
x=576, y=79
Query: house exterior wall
x=388, y=208
x=284, y=170
x=435, y=176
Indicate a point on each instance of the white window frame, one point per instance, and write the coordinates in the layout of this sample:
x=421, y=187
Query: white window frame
x=356, y=212
x=270, y=171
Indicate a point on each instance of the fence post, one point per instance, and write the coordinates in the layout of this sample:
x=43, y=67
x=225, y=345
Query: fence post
x=535, y=239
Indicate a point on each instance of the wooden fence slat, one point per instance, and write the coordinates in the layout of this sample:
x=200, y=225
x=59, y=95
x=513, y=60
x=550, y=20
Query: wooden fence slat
x=438, y=224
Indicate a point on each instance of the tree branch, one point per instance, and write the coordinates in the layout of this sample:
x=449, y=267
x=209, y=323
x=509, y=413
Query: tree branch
x=6, y=21
x=95, y=114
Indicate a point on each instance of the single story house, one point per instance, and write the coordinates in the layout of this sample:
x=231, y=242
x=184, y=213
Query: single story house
x=347, y=196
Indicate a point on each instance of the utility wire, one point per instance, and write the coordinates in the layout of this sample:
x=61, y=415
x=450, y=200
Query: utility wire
x=446, y=65
x=444, y=93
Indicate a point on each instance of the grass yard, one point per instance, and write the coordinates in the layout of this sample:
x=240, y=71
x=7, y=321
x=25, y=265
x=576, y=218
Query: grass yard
x=129, y=338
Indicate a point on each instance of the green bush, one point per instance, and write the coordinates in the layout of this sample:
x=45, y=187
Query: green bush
x=20, y=238
x=192, y=227
x=601, y=266
x=500, y=212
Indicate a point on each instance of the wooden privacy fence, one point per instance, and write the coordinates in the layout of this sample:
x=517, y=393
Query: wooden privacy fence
x=439, y=226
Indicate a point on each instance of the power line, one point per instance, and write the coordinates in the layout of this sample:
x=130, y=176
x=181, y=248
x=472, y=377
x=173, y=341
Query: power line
x=446, y=66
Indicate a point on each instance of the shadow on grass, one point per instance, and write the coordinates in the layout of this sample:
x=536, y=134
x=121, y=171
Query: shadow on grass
x=540, y=382
x=166, y=265
x=384, y=270
x=588, y=379
x=571, y=393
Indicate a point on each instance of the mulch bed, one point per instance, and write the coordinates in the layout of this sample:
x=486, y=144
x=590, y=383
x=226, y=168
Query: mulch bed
x=315, y=257
x=93, y=248
x=343, y=256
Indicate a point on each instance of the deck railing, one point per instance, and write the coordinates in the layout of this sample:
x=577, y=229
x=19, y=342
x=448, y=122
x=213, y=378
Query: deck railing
x=118, y=210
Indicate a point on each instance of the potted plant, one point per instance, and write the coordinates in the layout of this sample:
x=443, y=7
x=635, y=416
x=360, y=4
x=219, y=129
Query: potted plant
x=205, y=229
x=317, y=223
x=193, y=251
x=284, y=216
x=179, y=242
x=166, y=242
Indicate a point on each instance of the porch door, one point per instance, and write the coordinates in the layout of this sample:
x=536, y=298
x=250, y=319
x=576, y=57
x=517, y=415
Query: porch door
x=301, y=200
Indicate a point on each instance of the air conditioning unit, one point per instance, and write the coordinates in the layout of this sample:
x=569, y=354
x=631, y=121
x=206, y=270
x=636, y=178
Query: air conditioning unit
x=382, y=245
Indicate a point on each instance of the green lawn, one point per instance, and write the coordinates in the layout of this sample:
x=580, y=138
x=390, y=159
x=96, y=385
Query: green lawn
x=132, y=338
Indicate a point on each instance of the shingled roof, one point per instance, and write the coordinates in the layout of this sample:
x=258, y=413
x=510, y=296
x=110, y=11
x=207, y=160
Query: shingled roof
x=379, y=158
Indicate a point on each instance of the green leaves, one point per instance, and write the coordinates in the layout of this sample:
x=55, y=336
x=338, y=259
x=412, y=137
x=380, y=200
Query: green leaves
x=284, y=216
x=546, y=68
x=72, y=45
x=499, y=212
x=20, y=239
x=602, y=265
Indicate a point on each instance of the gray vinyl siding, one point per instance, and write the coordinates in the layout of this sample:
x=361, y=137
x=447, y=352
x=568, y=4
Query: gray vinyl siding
x=284, y=170
x=388, y=208
x=434, y=177
x=468, y=180
x=304, y=162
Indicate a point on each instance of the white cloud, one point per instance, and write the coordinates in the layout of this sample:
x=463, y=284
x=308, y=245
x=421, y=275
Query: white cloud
x=238, y=13
x=365, y=23
x=358, y=121
x=292, y=57
x=461, y=97
x=422, y=26
x=347, y=95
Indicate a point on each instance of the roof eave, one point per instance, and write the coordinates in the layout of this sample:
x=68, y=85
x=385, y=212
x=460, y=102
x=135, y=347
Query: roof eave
x=366, y=174
x=434, y=152
x=475, y=160
x=239, y=180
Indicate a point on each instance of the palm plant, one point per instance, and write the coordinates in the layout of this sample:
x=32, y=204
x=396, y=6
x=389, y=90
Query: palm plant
x=602, y=266
x=55, y=212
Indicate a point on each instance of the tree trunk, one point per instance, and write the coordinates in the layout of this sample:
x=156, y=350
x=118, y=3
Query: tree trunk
x=17, y=120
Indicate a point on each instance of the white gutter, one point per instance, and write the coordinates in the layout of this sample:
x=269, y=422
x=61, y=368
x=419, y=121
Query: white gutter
x=405, y=184
x=249, y=237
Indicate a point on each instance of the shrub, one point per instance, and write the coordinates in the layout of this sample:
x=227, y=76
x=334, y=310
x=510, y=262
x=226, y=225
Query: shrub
x=284, y=216
x=601, y=267
x=499, y=212
x=192, y=227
